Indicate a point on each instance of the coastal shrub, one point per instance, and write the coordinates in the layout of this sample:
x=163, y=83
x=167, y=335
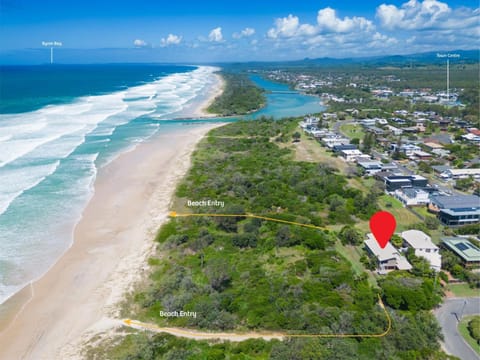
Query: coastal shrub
x=247, y=273
x=474, y=328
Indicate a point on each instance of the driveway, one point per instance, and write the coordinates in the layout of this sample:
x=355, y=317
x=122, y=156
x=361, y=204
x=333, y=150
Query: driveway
x=448, y=315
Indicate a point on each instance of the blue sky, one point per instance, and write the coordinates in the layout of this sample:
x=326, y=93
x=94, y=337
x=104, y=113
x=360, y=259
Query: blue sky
x=203, y=31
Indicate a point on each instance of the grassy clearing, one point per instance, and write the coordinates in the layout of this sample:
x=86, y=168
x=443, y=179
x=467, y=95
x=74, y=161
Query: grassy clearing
x=463, y=330
x=403, y=216
x=463, y=290
x=352, y=131
x=308, y=149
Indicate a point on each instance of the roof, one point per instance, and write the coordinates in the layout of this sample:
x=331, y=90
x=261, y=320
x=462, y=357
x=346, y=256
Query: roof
x=387, y=253
x=464, y=171
x=440, y=168
x=434, y=258
x=418, y=239
x=456, y=201
x=433, y=145
x=463, y=248
x=462, y=212
x=412, y=193
x=403, y=178
x=351, y=152
x=421, y=153
x=370, y=164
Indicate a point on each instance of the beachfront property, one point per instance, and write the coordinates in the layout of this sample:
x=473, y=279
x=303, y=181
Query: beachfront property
x=468, y=253
x=388, y=258
x=456, y=210
x=423, y=246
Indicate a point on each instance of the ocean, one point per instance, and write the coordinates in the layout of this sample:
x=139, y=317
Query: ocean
x=59, y=124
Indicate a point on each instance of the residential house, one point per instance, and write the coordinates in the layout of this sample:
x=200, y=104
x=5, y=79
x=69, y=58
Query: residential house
x=409, y=149
x=375, y=130
x=338, y=148
x=394, y=130
x=332, y=140
x=460, y=173
x=395, y=182
x=412, y=196
x=422, y=155
x=457, y=209
x=468, y=253
x=350, y=155
x=388, y=258
x=423, y=246
x=370, y=167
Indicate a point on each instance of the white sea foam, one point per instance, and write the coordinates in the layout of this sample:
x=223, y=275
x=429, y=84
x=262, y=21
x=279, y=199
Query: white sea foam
x=17, y=180
x=47, y=165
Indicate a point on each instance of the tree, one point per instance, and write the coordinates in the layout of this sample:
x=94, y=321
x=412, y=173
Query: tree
x=355, y=141
x=474, y=328
x=296, y=136
x=218, y=274
x=424, y=167
x=350, y=235
x=229, y=223
x=432, y=223
x=464, y=184
x=368, y=142
x=396, y=240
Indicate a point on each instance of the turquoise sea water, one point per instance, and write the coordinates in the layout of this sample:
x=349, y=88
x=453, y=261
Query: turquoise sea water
x=60, y=124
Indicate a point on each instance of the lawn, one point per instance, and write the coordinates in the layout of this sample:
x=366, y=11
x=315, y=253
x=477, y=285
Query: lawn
x=352, y=131
x=403, y=216
x=463, y=290
x=463, y=330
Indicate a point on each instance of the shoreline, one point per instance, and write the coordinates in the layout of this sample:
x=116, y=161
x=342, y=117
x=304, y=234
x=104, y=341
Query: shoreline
x=112, y=242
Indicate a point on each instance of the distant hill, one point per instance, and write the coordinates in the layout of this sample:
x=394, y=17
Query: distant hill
x=466, y=57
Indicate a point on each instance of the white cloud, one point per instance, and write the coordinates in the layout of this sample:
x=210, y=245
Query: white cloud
x=140, y=43
x=171, y=40
x=427, y=14
x=216, y=35
x=284, y=27
x=327, y=20
x=244, y=33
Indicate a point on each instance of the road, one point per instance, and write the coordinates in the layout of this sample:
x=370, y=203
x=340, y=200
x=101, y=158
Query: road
x=448, y=315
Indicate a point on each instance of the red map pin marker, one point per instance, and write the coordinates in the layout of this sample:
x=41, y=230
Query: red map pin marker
x=383, y=226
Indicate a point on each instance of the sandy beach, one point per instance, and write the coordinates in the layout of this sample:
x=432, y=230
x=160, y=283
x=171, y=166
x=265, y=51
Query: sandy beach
x=112, y=242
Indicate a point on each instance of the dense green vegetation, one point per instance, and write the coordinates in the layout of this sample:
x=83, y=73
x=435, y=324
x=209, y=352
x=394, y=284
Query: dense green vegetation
x=243, y=274
x=451, y=263
x=474, y=328
x=240, y=96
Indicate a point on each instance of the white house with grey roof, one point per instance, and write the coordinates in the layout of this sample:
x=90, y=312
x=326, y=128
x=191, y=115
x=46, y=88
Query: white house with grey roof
x=423, y=246
x=388, y=258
